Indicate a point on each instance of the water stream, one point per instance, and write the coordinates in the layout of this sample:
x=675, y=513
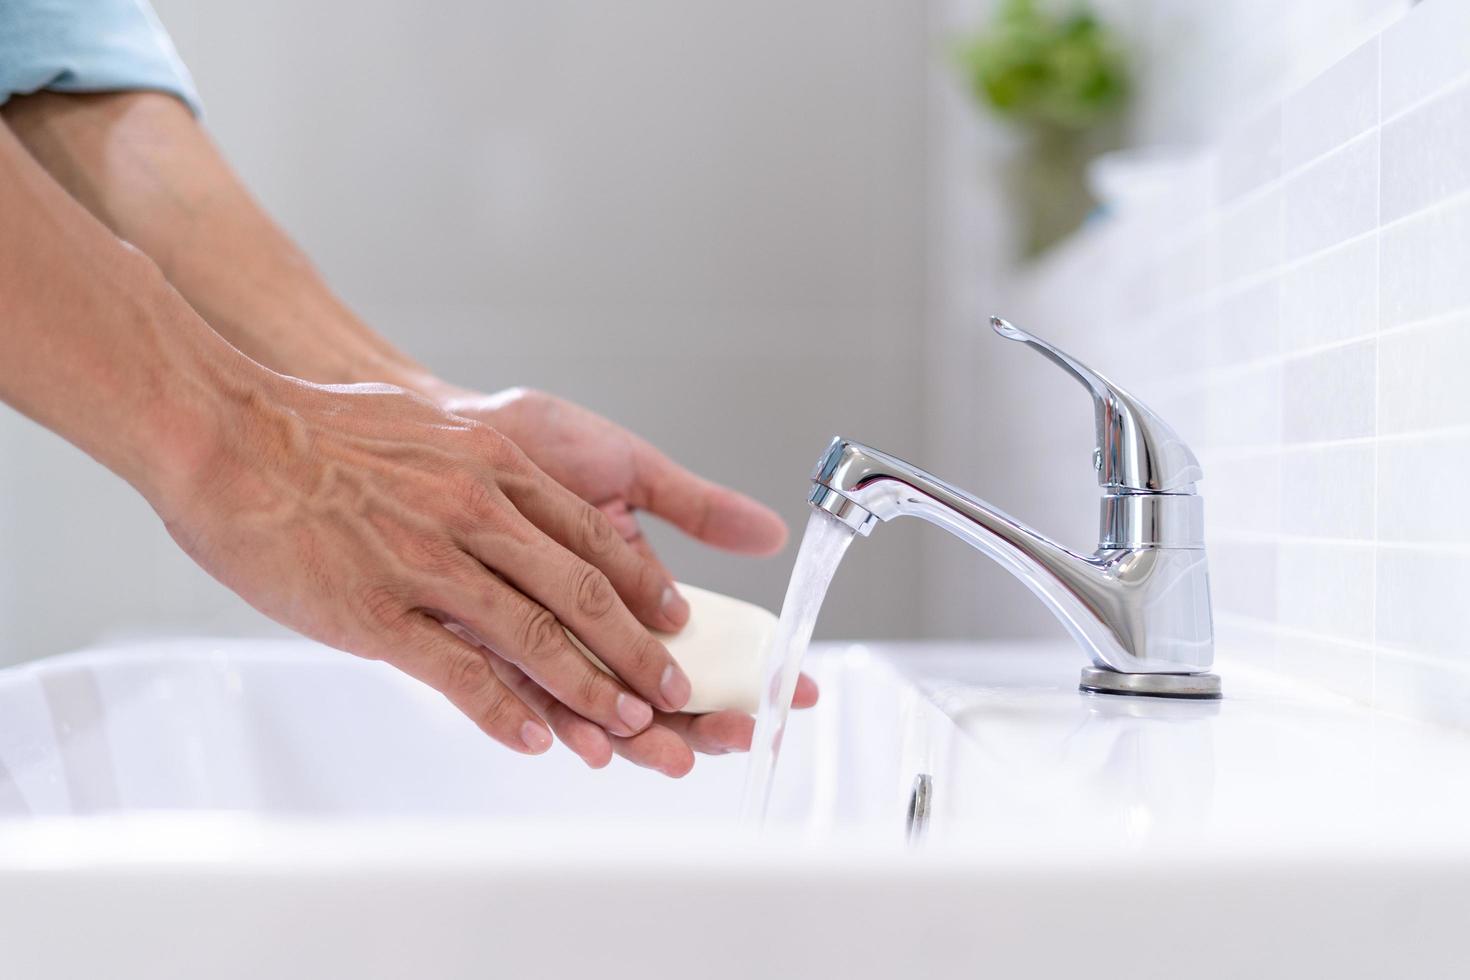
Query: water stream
x=821, y=551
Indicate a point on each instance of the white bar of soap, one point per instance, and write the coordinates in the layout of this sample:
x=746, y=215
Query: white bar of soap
x=721, y=649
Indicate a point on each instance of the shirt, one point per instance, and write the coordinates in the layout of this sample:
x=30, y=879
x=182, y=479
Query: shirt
x=88, y=46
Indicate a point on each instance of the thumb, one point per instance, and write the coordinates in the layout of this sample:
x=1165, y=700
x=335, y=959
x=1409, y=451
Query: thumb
x=704, y=510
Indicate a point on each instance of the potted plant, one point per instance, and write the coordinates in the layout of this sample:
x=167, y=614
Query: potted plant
x=1059, y=77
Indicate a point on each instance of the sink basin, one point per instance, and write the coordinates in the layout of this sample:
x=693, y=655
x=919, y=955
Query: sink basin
x=279, y=729
x=244, y=809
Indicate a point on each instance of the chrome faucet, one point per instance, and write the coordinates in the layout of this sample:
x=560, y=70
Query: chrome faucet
x=1140, y=604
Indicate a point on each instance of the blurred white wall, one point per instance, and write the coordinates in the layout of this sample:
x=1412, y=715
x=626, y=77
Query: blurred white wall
x=704, y=219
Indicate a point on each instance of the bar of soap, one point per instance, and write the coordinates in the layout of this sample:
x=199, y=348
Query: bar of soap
x=721, y=649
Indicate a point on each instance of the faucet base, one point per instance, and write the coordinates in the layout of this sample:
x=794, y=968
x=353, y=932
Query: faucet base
x=1196, y=687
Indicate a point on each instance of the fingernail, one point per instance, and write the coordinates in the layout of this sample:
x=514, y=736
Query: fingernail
x=635, y=714
x=535, y=737
x=674, y=606
x=674, y=686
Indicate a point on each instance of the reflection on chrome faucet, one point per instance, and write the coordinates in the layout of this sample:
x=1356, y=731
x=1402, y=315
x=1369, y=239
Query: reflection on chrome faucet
x=1140, y=605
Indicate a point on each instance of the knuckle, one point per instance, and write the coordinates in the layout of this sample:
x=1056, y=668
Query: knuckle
x=539, y=635
x=595, y=533
x=465, y=677
x=382, y=605
x=589, y=685
x=647, y=657
x=477, y=499
x=499, y=451
x=651, y=580
x=494, y=709
x=591, y=591
x=431, y=553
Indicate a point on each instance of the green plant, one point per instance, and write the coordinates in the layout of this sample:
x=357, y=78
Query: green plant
x=1046, y=68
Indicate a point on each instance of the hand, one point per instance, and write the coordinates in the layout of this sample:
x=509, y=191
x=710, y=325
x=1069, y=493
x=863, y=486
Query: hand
x=620, y=474
x=317, y=500
x=370, y=519
x=668, y=745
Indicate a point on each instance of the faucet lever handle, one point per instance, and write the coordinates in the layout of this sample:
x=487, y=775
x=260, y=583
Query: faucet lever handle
x=1136, y=450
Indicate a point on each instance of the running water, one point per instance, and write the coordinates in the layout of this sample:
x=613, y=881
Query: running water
x=821, y=550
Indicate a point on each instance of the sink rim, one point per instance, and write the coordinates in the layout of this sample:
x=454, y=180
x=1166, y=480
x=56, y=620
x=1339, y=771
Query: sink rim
x=931, y=671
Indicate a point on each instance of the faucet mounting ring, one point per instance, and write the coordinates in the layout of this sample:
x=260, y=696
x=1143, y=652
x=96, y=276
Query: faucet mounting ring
x=1197, y=687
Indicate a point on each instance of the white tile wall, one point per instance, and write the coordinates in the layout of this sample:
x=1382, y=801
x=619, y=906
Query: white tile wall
x=1331, y=297
x=1251, y=236
x=1331, y=109
x=1246, y=326
x=1325, y=588
x=1426, y=153
x=1250, y=155
x=1332, y=198
x=1308, y=331
x=1422, y=264
x=1330, y=395
x=1423, y=53
x=1416, y=394
x=1326, y=491
x=1421, y=490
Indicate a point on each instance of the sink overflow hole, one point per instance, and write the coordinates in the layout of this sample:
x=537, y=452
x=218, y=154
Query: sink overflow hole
x=920, y=802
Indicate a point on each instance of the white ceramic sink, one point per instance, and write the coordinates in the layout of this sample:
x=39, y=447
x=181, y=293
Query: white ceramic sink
x=248, y=809
x=290, y=729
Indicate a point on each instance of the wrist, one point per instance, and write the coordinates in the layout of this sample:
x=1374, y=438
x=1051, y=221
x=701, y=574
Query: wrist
x=189, y=430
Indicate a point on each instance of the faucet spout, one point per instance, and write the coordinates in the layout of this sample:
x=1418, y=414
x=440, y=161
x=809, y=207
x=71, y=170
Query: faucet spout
x=1139, y=605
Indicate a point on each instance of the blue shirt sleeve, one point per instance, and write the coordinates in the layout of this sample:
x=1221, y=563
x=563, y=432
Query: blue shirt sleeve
x=88, y=46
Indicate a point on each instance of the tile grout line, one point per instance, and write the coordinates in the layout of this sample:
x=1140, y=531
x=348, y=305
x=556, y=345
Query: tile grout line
x=1218, y=291
x=1296, y=539
x=1224, y=208
x=1280, y=449
x=1219, y=210
x=1219, y=215
x=1462, y=79
x=1277, y=628
x=1204, y=377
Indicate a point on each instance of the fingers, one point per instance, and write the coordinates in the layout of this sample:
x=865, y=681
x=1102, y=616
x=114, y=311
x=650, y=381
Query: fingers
x=714, y=514
x=720, y=732
x=717, y=733
x=643, y=586
x=587, y=740
x=657, y=747
x=530, y=636
x=806, y=692
x=582, y=597
x=427, y=651
x=639, y=544
x=624, y=520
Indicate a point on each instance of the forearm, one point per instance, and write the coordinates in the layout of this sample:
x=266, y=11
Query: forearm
x=95, y=345
x=364, y=516
x=144, y=167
